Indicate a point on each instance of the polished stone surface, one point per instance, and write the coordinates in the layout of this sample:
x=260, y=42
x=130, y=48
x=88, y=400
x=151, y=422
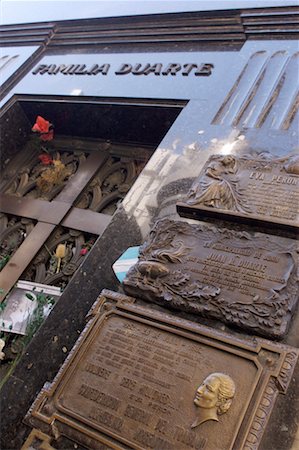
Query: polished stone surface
x=195, y=135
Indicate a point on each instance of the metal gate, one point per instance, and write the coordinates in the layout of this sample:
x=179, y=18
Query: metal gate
x=54, y=206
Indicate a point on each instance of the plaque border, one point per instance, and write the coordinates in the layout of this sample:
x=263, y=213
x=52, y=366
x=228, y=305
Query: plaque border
x=158, y=253
x=205, y=213
x=45, y=441
x=202, y=212
x=48, y=416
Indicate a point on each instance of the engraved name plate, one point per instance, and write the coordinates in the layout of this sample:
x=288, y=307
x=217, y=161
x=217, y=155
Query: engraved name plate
x=143, y=379
x=262, y=191
x=247, y=280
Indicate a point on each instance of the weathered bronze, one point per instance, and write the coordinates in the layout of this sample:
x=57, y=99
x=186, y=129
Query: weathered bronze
x=37, y=441
x=262, y=190
x=247, y=280
x=214, y=397
x=131, y=379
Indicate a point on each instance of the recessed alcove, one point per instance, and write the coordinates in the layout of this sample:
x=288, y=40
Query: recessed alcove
x=101, y=147
x=124, y=132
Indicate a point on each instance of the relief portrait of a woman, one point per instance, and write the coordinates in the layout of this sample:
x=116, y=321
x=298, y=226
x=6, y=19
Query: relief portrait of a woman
x=218, y=186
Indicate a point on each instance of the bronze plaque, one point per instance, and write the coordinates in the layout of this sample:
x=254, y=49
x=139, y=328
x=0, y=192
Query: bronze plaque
x=143, y=379
x=263, y=191
x=247, y=280
x=37, y=441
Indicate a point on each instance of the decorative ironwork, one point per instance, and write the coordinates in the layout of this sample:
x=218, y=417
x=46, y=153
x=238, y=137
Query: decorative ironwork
x=110, y=185
x=13, y=231
x=56, y=267
x=46, y=174
x=70, y=173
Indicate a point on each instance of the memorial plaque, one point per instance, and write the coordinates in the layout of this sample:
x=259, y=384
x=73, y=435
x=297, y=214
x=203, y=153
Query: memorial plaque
x=264, y=191
x=143, y=379
x=244, y=279
x=37, y=441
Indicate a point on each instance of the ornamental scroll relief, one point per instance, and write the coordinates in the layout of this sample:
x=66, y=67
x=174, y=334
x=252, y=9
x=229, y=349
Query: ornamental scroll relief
x=261, y=189
x=143, y=379
x=246, y=280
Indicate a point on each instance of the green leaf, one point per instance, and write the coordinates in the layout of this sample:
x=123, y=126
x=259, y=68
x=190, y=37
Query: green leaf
x=30, y=296
x=3, y=306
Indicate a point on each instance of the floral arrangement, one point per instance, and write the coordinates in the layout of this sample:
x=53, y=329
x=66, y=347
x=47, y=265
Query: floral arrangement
x=56, y=172
x=44, y=128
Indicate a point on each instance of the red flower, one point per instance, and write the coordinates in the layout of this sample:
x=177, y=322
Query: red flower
x=44, y=128
x=45, y=159
x=83, y=251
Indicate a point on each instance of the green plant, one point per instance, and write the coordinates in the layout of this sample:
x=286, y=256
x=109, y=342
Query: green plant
x=3, y=261
x=38, y=314
x=37, y=317
x=3, y=304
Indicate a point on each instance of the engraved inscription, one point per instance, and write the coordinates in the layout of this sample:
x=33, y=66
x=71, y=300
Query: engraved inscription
x=243, y=279
x=165, y=383
x=264, y=188
x=99, y=397
x=149, y=397
x=157, y=69
x=105, y=418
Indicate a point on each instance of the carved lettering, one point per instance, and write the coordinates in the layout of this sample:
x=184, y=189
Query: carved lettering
x=39, y=69
x=190, y=439
x=172, y=69
x=279, y=179
x=266, y=195
x=140, y=69
x=137, y=414
x=204, y=69
x=99, y=397
x=154, y=68
x=106, y=418
x=125, y=69
x=188, y=68
x=67, y=70
x=245, y=280
x=95, y=69
x=162, y=426
x=150, y=440
x=128, y=383
x=98, y=370
x=162, y=410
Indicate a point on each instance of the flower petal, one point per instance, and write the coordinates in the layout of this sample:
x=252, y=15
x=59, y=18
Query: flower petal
x=42, y=126
x=47, y=136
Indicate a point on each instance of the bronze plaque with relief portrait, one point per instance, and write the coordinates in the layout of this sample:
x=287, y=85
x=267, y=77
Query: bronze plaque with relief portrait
x=248, y=280
x=143, y=379
x=261, y=190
